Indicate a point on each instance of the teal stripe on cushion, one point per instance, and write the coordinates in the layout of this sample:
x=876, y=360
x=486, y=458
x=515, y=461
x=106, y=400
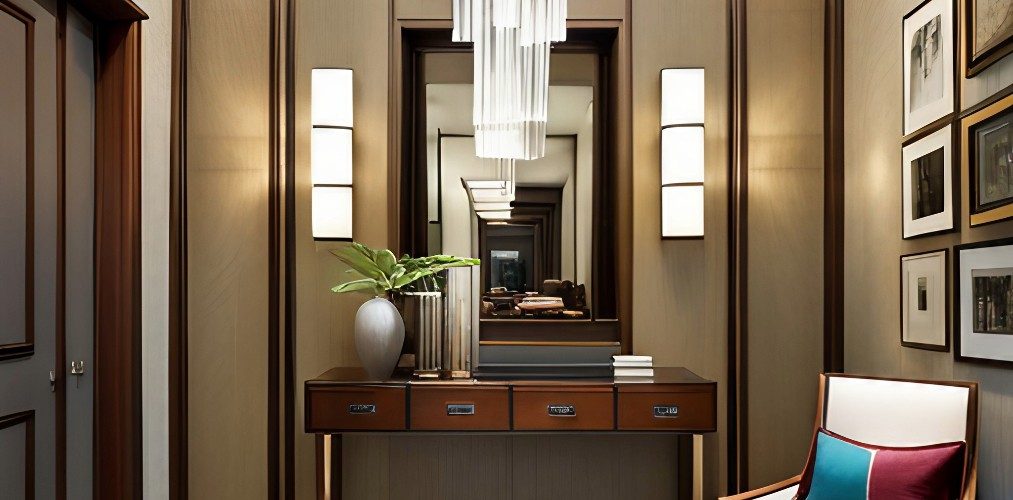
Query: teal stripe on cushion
x=841, y=471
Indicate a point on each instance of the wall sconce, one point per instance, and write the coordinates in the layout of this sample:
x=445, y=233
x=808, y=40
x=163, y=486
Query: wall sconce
x=331, y=153
x=682, y=153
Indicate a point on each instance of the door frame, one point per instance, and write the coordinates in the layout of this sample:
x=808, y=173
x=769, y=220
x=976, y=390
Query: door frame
x=117, y=459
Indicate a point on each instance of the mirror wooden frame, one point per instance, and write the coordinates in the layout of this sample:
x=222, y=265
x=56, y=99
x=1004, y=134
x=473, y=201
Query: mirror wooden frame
x=612, y=249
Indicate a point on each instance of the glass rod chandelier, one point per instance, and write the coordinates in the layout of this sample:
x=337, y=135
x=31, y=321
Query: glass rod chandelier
x=512, y=39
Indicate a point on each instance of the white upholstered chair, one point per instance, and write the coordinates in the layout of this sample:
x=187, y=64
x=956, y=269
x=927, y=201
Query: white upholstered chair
x=892, y=412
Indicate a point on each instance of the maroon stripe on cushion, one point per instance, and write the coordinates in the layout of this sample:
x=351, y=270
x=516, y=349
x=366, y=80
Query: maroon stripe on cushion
x=916, y=474
x=929, y=472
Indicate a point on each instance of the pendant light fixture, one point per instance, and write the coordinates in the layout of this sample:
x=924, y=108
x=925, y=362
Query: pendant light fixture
x=512, y=39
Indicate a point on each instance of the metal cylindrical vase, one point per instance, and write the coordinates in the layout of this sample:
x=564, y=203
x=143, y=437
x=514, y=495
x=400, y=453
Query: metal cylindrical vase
x=424, y=323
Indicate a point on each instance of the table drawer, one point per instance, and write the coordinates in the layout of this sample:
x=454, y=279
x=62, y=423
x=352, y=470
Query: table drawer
x=674, y=411
x=464, y=409
x=564, y=408
x=363, y=408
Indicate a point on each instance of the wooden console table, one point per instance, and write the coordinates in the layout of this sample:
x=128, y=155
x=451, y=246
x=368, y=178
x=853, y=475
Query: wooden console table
x=343, y=400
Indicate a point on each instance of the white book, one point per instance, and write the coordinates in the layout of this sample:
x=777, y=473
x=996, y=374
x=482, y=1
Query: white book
x=634, y=372
x=641, y=359
x=632, y=364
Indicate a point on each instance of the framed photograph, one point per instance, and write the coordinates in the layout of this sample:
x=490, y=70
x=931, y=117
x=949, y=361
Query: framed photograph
x=924, y=313
x=983, y=302
x=928, y=64
x=987, y=138
x=988, y=33
x=928, y=184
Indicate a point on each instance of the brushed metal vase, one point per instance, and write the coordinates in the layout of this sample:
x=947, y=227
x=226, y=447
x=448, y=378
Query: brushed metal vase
x=379, y=335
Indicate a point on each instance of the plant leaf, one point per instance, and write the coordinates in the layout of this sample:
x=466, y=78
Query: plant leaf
x=358, y=261
x=357, y=286
x=385, y=260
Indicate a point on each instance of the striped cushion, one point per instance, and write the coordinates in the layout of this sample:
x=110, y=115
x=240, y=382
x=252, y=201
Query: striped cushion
x=843, y=469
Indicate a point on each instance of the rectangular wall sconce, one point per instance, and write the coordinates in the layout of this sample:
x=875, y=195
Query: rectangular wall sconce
x=682, y=153
x=331, y=153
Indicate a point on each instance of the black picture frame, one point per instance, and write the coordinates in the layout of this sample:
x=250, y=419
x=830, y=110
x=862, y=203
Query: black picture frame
x=945, y=347
x=916, y=133
x=979, y=213
x=975, y=63
x=955, y=155
x=958, y=313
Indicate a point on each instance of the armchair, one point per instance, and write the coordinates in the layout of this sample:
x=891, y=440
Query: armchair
x=891, y=412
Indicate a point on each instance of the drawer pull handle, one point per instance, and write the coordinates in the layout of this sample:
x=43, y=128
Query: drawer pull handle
x=361, y=409
x=562, y=411
x=460, y=409
x=666, y=411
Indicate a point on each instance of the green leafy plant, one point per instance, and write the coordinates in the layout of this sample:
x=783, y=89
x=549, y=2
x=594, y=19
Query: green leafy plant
x=383, y=273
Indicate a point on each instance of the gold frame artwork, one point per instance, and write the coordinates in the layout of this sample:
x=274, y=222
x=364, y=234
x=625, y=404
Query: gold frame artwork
x=988, y=215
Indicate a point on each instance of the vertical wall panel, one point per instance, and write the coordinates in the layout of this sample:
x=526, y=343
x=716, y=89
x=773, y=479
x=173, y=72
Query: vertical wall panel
x=785, y=254
x=227, y=179
x=680, y=293
x=873, y=243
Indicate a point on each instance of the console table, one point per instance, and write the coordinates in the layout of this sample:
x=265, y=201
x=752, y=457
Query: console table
x=344, y=400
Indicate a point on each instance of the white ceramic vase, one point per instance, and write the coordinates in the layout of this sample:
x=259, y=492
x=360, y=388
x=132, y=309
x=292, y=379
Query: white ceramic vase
x=379, y=336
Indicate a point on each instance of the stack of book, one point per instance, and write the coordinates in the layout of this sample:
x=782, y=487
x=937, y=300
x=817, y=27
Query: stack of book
x=633, y=368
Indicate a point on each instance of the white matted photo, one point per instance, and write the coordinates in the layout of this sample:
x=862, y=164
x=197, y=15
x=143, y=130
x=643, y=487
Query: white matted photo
x=928, y=64
x=927, y=184
x=983, y=290
x=923, y=307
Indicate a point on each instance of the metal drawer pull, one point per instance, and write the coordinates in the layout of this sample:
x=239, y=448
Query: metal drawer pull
x=562, y=411
x=666, y=411
x=459, y=409
x=361, y=409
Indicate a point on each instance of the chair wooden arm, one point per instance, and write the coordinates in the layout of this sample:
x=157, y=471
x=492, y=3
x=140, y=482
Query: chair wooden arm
x=766, y=490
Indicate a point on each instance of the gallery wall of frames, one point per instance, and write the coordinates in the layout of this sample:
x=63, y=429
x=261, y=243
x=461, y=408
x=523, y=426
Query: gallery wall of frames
x=964, y=293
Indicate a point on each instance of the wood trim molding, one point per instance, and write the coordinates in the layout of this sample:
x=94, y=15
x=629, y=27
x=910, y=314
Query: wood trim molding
x=274, y=249
x=289, y=379
x=178, y=257
x=26, y=348
x=117, y=412
x=110, y=11
x=833, y=186
x=738, y=255
x=27, y=418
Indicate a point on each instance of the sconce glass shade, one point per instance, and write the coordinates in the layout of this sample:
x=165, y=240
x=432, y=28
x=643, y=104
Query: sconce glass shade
x=682, y=152
x=682, y=157
x=682, y=211
x=682, y=96
x=332, y=212
x=331, y=90
x=331, y=156
x=331, y=153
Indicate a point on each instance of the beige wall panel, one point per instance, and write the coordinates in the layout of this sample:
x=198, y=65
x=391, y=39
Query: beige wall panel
x=423, y=9
x=785, y=315
x=227, y=235
x=873, y=243
x=680, y=292
x=349, y=34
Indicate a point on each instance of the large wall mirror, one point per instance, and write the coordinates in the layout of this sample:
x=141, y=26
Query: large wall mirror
x=548, y=272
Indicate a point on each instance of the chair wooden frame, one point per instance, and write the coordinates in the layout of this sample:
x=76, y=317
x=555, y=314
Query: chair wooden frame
x=970, y=464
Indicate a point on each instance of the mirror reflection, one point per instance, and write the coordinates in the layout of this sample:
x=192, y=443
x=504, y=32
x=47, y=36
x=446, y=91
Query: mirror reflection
x=529, y=224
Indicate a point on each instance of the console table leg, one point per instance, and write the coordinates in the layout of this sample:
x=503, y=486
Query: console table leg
x=697, y=466
x=328, y=466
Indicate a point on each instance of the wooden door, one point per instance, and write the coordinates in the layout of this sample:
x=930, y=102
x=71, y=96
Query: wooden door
x=28, y=248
